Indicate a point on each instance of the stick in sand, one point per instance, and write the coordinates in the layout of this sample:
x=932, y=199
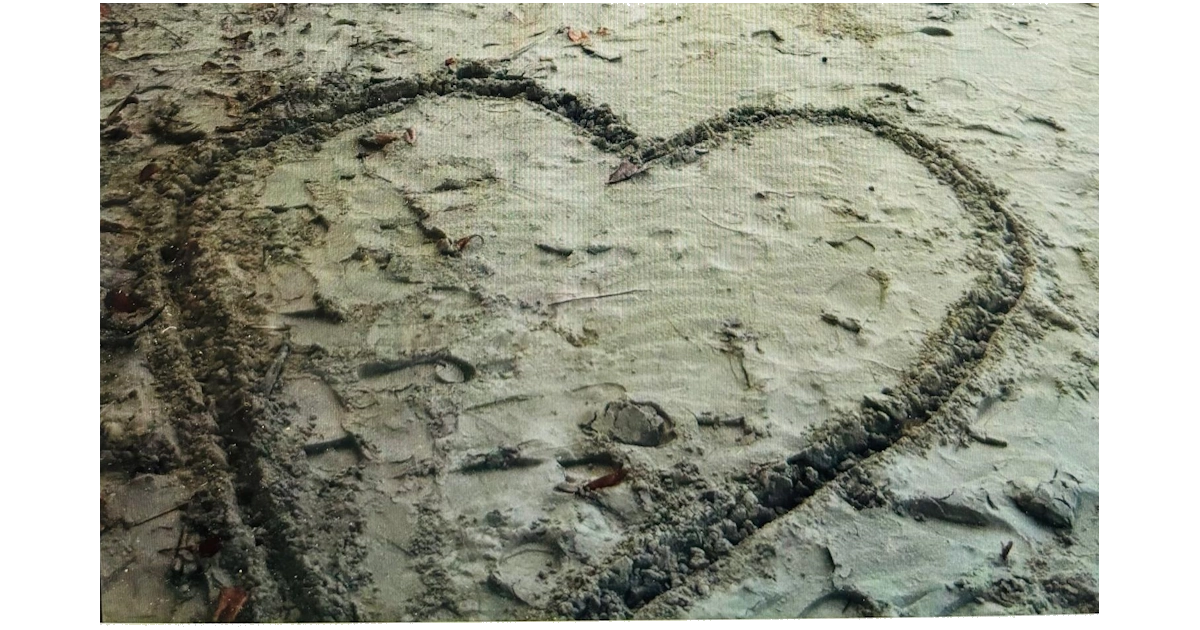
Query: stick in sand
x=598, y=297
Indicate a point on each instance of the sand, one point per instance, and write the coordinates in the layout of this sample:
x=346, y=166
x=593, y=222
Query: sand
x=378, y=335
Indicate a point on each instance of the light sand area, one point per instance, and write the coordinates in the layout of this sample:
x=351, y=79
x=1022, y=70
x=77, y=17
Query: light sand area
x=843, y=341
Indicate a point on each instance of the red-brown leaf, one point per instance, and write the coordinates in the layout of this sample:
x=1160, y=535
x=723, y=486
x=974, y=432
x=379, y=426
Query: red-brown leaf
x=230, y=603
x=608, y=480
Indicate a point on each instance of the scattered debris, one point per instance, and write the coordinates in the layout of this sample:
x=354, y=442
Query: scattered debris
x=710, y=419
x=165, y=124
x=1004, y=551
x=276, y=369
x=124, y=335
x=733, y=342
x=241, y=41
x=446, y=247
x=502, y=458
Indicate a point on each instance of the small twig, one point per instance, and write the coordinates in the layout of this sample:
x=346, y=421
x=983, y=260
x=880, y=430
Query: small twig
x=178, y=546
x=1010, y=37
x=725, y=227
x=129, y=331
x=537, y=39
x=128, y=100
x=598, y=297
x=264, y=102
x=159, y=515
x=173, y=34
x=501, y=401
x=983, y=439
x=882, y=364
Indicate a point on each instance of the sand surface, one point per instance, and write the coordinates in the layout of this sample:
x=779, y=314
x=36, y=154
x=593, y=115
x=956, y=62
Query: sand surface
x=377, y=333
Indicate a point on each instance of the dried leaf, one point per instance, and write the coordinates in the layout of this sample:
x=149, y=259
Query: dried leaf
x=209, y=547
x=575, y=36
x=121, y=301
x=377, y=141
x=410, y=135
x=241, y=41
x=462, y=243
x=107, y=82
x=603, y=31
x=148, y=172
x=112, y=46
x=105, y=11
x=230, y=603
x=624, y=171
